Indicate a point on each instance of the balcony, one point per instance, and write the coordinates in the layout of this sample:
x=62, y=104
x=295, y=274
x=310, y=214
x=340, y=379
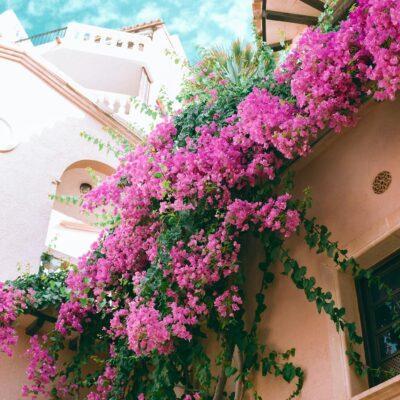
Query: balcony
x=76, y=32
x=389, y=390
x=96, y=58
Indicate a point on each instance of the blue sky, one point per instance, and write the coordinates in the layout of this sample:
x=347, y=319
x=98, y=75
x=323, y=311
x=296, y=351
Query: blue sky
x=197, y=22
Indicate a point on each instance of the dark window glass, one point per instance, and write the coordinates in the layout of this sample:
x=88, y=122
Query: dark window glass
x=388, y=344
x=382, y=344
x=383, y=314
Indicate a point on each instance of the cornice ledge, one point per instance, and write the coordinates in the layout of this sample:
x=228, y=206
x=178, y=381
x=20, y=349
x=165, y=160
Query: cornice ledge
x=389, y=390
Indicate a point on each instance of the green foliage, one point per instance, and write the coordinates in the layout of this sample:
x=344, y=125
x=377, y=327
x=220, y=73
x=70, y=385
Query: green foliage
x=220, y=81
x=48, y=286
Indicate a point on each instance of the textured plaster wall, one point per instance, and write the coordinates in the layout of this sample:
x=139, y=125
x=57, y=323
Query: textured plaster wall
x=47, y=127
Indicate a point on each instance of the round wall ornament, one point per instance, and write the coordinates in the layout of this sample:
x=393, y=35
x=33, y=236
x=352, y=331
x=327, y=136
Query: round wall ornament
x=382, y=182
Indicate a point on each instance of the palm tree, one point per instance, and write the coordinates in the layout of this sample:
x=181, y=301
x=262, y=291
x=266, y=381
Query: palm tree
x=239, y=62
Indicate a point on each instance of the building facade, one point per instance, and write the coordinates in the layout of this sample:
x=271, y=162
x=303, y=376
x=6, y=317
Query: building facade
x=55, y=85
x=354, y=178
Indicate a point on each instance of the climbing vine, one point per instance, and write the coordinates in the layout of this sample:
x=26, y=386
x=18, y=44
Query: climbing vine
x=165, y=276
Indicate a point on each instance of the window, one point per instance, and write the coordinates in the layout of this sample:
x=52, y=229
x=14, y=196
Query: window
x=382, y=345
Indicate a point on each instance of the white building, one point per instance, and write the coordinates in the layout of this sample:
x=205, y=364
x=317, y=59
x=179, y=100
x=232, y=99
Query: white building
x=54, y=86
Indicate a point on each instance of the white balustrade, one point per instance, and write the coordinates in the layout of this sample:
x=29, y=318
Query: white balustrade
x=116, y=103
x=120, y=105
x=106, y=37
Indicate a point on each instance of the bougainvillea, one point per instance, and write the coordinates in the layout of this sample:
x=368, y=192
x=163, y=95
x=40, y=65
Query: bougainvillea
x=41, y=369
x=12, y=302
x=141, y=297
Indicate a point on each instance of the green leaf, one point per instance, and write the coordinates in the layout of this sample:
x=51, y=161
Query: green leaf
x=83, y=301
x=229, y=371
x=288, y=372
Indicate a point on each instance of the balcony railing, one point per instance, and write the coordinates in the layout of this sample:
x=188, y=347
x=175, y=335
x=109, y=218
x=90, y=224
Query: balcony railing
x=122, y=106
x=46, y=37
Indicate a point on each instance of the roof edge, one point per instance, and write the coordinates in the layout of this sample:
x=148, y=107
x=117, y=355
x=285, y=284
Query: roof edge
x=143, y=26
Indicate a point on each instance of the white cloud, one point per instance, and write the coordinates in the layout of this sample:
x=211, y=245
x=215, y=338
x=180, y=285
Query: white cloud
x=150, y=11
x=74, y=6
x=208, y=39
x=182, y=24
x=106, y=13
x=237, y=21
x=39, y=8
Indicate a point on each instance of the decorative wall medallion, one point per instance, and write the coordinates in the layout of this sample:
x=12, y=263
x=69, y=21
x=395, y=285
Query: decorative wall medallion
x=382, y=182
x=8, y=140
x=85, y=187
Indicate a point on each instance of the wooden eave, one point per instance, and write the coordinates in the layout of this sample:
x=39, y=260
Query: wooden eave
x=280, y=21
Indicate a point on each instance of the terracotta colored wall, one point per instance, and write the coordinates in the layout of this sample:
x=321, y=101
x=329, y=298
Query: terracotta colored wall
x=340, y=173
x=12, y=370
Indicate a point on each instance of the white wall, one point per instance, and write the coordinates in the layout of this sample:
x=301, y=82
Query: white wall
x=95, y=70
x=47, y=127
x=166, y=73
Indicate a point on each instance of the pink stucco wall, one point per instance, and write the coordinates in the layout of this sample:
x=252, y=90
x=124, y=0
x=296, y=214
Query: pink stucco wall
x=340, y=174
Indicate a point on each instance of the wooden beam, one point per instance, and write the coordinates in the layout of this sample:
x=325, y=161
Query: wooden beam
x=43, y=316
x=263, y=20
x=292, y=18
x=317, y=4
x=341, y=9
x=34, y=327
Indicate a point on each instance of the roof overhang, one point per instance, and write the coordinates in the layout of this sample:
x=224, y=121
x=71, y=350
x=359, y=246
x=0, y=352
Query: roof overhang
x=280, y=21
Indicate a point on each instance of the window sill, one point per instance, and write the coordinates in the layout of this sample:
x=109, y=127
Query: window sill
x=389, y=390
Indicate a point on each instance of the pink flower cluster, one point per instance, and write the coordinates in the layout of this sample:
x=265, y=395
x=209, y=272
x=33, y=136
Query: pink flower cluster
x=146, y=331
x=271, y=215
x=11, y=302
x=104, y=384
x=228, y=302
x=41, y=369
x=328, y=72
x=194, y=396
